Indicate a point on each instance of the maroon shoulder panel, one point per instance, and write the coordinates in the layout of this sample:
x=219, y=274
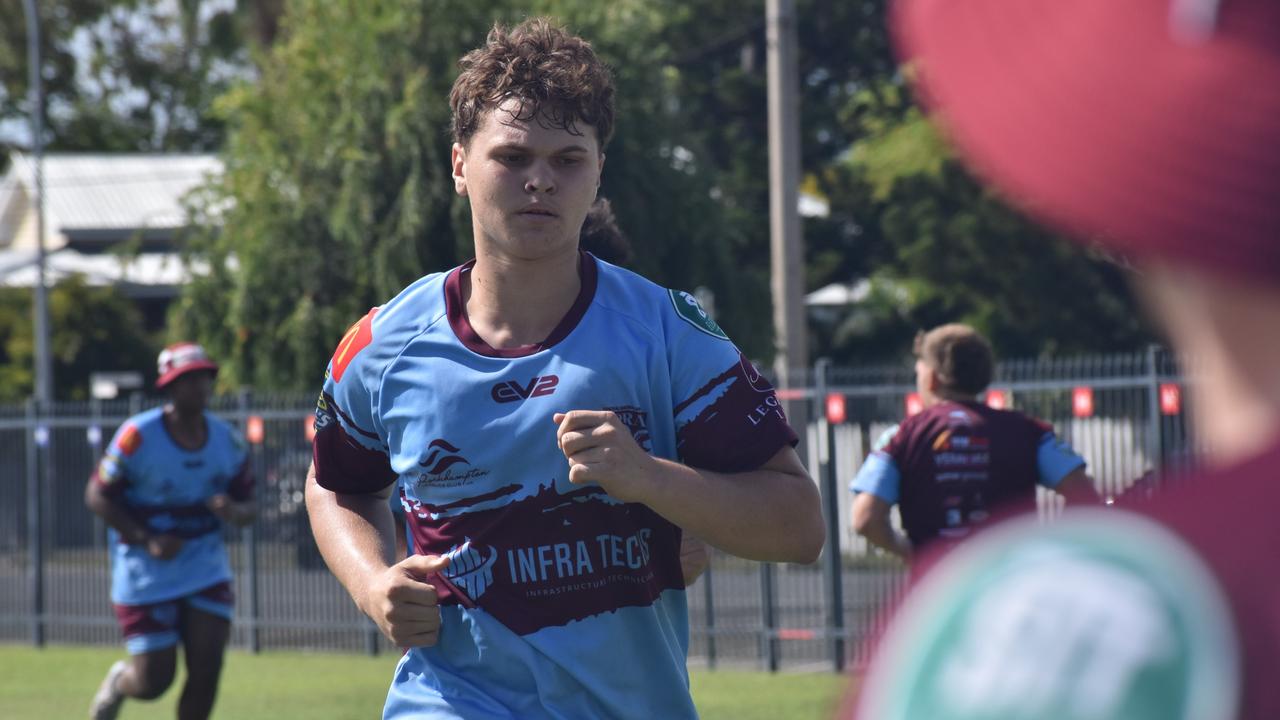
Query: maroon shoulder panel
x=345, y=466
x=741, y=430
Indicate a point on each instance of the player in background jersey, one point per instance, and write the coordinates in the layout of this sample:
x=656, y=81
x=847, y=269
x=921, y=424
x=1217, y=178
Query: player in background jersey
x=167, y=483
x=552, y=423
x=602, y=237
x=952, y=465
x=1151, y=127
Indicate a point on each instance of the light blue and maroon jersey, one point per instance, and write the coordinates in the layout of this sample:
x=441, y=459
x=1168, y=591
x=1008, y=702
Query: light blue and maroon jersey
x=559, y=601
x=954, y=464
x=164, y=487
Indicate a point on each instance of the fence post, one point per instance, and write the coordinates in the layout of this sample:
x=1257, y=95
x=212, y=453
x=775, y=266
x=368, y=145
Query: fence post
x=830, y=484
x=769, y=631
x=371, y=635
x=1154, y=444
x=35, y=524
x=94, y=435
x=249, y=539
x=710, y=613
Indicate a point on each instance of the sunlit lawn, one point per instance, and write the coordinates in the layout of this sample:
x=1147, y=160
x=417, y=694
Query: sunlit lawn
x=58, y=682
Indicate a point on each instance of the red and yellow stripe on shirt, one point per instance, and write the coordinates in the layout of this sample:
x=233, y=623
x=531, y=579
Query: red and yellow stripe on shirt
x=356, y=338
x=129, y=441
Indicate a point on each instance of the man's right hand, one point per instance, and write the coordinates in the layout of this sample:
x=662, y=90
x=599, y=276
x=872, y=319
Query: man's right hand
x=403, y=605
x=163, y=547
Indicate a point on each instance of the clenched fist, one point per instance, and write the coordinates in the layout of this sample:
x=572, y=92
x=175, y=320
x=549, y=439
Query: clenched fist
x=403, y=605
x=601, y=449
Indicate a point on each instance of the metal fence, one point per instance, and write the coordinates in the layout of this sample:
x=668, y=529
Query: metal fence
x=1122, y=413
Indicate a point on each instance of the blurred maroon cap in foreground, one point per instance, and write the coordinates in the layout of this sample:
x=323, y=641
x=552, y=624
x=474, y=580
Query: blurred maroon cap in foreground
x=1152, y=126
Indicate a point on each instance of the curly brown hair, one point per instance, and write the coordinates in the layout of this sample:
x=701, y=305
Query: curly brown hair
x=555, y=76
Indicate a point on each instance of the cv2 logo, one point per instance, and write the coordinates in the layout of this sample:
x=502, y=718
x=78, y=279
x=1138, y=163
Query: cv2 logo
x=512, y=391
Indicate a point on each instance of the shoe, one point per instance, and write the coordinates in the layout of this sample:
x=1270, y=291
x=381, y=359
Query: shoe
x=107, y=701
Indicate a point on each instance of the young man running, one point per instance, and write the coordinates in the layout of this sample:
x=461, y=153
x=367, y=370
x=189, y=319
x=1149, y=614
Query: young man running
x=553, y=425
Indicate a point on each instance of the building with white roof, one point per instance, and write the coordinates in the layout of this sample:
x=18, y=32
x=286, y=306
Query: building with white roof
x=96, y=202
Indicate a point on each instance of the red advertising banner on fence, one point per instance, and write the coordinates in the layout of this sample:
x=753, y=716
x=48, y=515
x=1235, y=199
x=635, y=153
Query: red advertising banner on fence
x=1170, y=398
x=254, y=430
x=835, y=408
x=914, y=404
x=1082, y=402
x=998, y=399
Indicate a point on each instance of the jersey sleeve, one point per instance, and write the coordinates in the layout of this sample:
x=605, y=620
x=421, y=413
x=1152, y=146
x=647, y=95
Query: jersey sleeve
x=727, y=415
x=112, y=473
x=880, y=476
x=1055, y=460
x=350, y=450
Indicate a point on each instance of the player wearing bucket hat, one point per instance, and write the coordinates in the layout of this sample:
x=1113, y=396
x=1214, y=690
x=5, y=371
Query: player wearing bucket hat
x=168, y=481
x=1151, y=127
x=179, y=359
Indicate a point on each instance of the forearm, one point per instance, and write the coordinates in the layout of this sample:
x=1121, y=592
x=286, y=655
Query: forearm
x=871, y=521
x=354, y=533
x=765, y=514
x=1078, y=489
x=880, y=533
x=116, y=516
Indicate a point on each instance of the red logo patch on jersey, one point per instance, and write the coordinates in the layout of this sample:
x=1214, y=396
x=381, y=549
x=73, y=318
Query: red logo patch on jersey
x=130, y=440
x=943, y=442
x=357, y=338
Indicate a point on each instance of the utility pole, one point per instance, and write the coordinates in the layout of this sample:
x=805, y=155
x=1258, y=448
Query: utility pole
x=786, y=243
x=36, y=467
x=35, y=93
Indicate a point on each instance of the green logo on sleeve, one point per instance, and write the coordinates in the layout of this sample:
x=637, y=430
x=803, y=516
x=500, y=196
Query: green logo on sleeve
x=691, y=312
x=1101, y=616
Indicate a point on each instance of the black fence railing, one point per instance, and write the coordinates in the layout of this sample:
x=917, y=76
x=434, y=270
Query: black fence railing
x=1125, y=414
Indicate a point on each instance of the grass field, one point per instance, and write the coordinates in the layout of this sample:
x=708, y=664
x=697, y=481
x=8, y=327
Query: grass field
x=57, y=683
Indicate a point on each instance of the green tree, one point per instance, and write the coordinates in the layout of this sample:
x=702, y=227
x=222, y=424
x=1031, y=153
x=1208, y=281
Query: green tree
x=907, y=216
x=130, y=75
x=933, y=245
x=94, y=329
x=337, y=191
x=718, y=62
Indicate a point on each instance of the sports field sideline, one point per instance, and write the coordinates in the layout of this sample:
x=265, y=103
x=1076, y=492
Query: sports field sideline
x=57, y=682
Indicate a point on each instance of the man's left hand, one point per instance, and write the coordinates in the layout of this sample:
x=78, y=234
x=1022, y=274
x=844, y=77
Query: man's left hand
x=601, y=449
